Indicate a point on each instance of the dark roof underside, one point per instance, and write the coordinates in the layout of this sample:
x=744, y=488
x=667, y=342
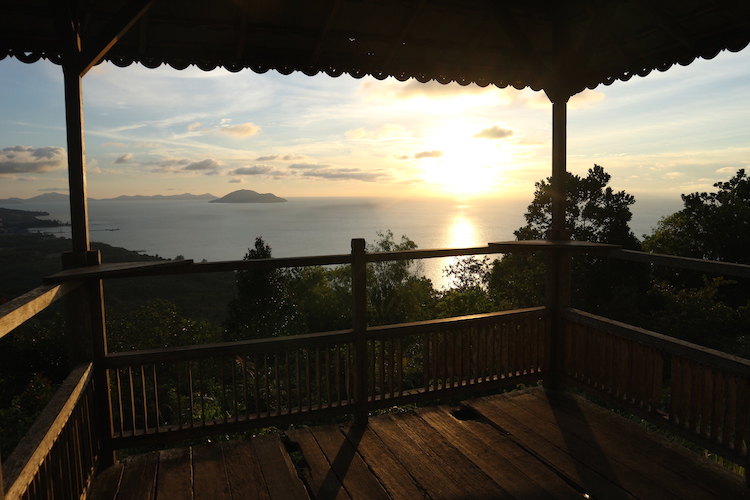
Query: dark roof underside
x=556, y=45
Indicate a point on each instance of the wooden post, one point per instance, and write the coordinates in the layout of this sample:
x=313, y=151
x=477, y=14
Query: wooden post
x=558, y=261
x=79, y=217
x=2, y=487
x=359, y=325
x=87, y=341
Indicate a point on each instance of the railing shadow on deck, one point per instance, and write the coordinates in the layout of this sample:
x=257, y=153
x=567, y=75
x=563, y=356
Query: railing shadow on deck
x=172, y=394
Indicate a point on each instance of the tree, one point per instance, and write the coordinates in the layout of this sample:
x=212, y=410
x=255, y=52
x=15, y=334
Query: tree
x=594, y=212
x=714, y=226
x=396, y=292
x=263, y=307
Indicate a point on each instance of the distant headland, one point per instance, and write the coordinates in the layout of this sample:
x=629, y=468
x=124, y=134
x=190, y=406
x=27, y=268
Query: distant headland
x=248, y=196
x=241, y=196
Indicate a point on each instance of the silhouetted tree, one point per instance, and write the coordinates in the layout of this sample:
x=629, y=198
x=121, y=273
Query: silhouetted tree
x=263, y=307
x=594, y=212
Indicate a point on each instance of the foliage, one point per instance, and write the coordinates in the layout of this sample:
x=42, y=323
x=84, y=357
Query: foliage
x=157, y=324
x=468, y=293
x=263, y=306
x=594, y=213
x=396, y=292
x=17, y=418
x=714, y=226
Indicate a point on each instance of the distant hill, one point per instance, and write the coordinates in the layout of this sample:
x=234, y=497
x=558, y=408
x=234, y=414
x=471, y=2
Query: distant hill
x=50, y=198
x=160, y=197
x=249, y=196
x=64, y=198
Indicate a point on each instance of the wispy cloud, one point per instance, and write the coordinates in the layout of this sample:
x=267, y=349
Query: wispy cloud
x=253, y=170
x=494, y=132
x=124, y=158
x=248, y=129
x=24, y=159
x=208, y=164
x=286, y=157
x=428, y=154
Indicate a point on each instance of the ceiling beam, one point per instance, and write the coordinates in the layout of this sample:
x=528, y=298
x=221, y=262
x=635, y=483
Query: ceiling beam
x=517, y=36
x=666, y=22
x=324, y=32
x=402, y=34
x=95, y=48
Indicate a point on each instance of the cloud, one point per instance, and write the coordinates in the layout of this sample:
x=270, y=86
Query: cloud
x=412, y=88
x=24, y=159
x=387, y=131
x=248, y=129
x=236, y=180
x=286, y=157
x=54, y=189
x=169, y=164
x=204, y=165
x=114, y=144
x=346, y=174
x=403, y=157
x=728, y=170
x=193, y=126
x=586, y=99
x=254, y=170
x=304, y=166
x=428, y=154
x=494, y=132
x=124, y=158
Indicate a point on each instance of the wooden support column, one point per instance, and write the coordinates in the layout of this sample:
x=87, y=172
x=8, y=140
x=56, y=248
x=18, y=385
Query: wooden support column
x=559, y=260
x=79, y=216
x=359, y=325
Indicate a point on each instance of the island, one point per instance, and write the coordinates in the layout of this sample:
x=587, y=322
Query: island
x=248, y=196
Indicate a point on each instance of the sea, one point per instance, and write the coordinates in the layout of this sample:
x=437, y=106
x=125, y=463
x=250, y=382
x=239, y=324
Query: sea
x=198, y=230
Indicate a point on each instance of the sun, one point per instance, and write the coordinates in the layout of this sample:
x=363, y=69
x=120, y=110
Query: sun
x=462, y=165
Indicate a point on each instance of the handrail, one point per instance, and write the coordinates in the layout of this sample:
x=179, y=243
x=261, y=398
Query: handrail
x=699, y=394
x=194, y=352
x=704, y=355
x=28, y=305
x=418, y=327
x=22, y=467
x=689, y=263
x=140, y=269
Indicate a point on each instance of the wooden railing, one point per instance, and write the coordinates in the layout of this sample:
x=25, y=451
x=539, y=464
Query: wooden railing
x=58, y=455
x=697, y=393
x=178, y=393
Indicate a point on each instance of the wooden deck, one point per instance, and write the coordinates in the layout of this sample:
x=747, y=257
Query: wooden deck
x=522, y=445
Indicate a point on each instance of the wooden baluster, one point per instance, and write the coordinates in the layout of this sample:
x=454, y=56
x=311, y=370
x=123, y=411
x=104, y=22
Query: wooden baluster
x=359, y=325
x=156, y=399
x=730, y=418
x=192, y=393
x=707, y=410
x=178, y=394
x=298, y=374
x=277, y=379
x=308, y=382
x=244, y=362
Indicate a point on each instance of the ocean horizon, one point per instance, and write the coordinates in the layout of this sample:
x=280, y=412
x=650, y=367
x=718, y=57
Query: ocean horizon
x=200, y=230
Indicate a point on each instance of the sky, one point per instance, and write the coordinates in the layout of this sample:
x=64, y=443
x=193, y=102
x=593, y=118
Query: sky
x=163, y=131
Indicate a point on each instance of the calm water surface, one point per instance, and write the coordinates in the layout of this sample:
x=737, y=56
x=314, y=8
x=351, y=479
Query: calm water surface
x=310, y=226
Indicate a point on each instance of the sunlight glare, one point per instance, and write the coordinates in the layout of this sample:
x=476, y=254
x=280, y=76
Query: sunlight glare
x=468, y=166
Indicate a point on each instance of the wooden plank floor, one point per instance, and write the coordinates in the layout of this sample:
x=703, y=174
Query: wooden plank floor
x=522, y=445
